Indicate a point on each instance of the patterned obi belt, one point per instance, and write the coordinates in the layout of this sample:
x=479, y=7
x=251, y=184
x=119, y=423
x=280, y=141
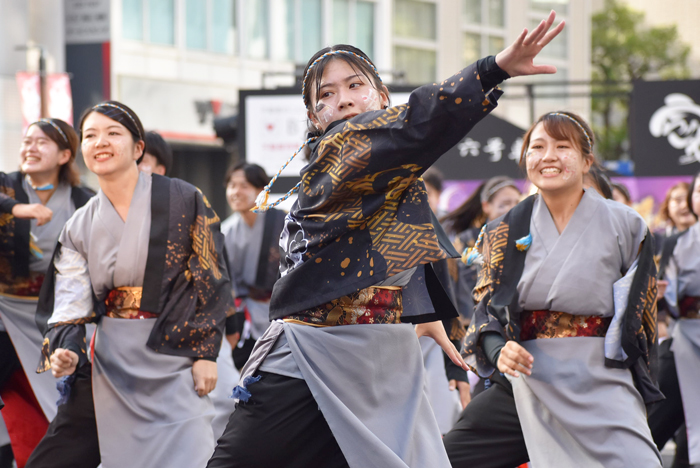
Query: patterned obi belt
x=536, y=324
x=125, y=302
x=689, y=307
x=370, y=305
x=28, y=286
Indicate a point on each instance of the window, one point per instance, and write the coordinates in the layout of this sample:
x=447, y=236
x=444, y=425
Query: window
x=132, y=19
x=545, y=6
x=415, y=40
x=209, y=25
x=484, y=28
x=256, y=30
x=223, y=32
x=196, y=24
x=415, y=19
x=161, y=21
x=419, y=65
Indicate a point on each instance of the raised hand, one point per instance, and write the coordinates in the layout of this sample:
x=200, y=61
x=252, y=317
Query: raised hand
x=517, y=58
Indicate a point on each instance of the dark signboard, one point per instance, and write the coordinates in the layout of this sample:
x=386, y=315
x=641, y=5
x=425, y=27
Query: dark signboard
x=665, y=127
x=491, y=149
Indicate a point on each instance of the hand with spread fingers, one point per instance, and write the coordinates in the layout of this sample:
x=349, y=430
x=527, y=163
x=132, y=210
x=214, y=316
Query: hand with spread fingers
x=517, y=59
x=514, y=359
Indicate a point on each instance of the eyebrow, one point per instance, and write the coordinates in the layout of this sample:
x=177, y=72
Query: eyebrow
x=349, y=78
x=118, y=127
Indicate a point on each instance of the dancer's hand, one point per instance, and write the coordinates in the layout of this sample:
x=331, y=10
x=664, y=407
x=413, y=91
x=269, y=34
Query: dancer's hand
x=32, y=211
x=436, y=331
x=464, y=391
x=661, y=286
x=63, y=362
x=516, y=60
x=514, y=359
x=205, y=376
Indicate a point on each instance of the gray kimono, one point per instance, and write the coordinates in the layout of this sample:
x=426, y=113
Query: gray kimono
x=575, y=411
x=683, y=275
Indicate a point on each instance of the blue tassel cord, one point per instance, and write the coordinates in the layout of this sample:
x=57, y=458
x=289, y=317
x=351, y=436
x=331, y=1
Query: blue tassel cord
x=64, y=385
x=241, y=392
x=524, y=243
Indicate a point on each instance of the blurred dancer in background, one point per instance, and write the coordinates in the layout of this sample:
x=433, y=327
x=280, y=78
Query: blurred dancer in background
x=35, y=204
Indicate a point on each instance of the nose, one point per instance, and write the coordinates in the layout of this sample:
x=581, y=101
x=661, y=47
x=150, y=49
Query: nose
x=344, y=99
x=550, y=154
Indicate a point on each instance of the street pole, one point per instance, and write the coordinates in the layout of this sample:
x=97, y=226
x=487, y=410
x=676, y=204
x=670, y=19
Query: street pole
x=42, y=83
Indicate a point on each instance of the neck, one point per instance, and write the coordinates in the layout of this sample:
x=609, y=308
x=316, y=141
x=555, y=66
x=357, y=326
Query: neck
x=119, y=189
x=562, y=204
x=43, y=179
x=249, y=217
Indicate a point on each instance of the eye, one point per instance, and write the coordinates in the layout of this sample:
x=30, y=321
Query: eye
x=114, y=133
x=325, y=95
x=88, y=135
x=356, y=85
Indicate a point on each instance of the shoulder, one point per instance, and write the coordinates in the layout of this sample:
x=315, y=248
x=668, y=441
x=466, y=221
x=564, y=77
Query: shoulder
x=624, y=215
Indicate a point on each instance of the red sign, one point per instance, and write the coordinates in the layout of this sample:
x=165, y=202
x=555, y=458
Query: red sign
x=59, y=99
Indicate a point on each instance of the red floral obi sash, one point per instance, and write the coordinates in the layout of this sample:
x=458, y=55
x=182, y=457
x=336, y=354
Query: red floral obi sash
x=370, y=305
x=689, y=307
x=28, y=286
x=125, y=302
x=536, y=324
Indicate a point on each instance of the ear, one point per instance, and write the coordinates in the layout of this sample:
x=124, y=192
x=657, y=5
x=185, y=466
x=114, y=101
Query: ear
x=587, y=163
x=384, y=93
x=314, y=120
x=64, y=157
x=139, y=146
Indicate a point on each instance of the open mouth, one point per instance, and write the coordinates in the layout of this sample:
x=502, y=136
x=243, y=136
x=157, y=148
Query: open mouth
x=102, y=156
x=550, y=171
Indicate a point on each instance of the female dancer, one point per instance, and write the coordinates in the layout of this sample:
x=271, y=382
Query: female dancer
x=680, y=354
x=252, y=248
x=568, y=278
x=145, y=248
x=35, y=204
x=336, y=379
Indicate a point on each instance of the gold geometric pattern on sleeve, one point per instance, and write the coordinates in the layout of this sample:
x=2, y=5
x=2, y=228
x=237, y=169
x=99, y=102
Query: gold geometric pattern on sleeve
x=203, y=244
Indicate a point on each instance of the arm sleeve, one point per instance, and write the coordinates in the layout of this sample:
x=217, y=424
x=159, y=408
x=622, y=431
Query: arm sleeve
x=7, y=203
x=72, y=306
x=492, y=344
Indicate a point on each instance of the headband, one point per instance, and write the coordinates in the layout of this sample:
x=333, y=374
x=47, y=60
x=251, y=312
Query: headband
x=588, y=139
x=336, y=52
x=58, y=129
x=487, y=194
x=109, y=104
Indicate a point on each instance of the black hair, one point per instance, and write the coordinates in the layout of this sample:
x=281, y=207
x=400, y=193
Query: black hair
x=622, y=188
x=696, y=180
x=434, y=178
x=119, y=113
x=312, y=78
x=160, y=149
x=254, y=174
x=601, y=180
x=469, y=214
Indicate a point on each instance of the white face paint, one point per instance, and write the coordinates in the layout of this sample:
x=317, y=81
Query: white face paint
x=344, y=93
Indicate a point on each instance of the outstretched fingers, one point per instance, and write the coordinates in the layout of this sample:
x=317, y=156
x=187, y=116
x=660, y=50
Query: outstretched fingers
x=552, y=34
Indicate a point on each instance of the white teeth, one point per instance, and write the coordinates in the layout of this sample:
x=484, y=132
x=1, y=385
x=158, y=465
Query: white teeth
x=550, y=170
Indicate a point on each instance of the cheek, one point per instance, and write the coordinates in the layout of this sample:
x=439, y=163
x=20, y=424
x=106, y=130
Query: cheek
x=569, y=164
x=325, y=113
x=532, y=160
x=371, y=99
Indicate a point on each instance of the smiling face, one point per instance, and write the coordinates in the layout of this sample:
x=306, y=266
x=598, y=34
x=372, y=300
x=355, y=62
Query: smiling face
x=39, y=154
x=108, y=147
x=240, y=193
x=344, y=93
x=678, y=209
x=554, y=165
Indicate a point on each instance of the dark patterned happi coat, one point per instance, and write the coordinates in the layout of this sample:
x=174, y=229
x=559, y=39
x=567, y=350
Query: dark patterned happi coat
x=496, y=297
x=186, y=281
x=15, y=277
x=362, y=214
